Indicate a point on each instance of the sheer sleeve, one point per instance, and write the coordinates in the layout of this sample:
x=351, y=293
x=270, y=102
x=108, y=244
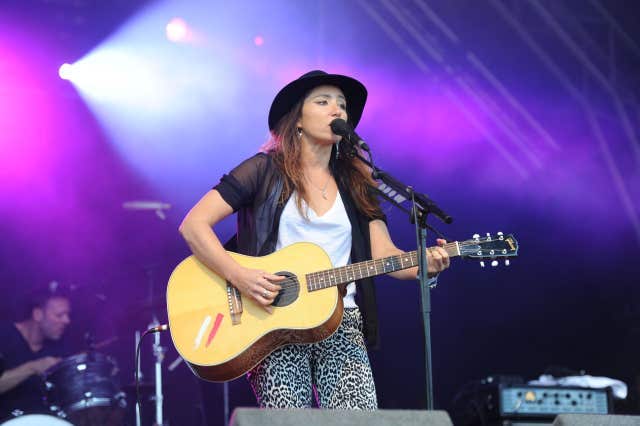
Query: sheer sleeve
x=374, y=195
x=240, y=186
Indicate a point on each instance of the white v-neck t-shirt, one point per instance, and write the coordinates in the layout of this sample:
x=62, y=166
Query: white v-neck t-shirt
x=331, y=231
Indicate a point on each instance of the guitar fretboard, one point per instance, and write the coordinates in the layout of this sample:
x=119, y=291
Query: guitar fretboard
x=370, y=268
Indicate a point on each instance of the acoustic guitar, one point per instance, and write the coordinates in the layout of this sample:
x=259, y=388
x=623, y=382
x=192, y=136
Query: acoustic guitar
x=221, y=336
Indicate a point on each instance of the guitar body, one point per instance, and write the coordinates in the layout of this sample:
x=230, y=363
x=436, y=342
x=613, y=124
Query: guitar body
x=221, y=336
x=220, y=347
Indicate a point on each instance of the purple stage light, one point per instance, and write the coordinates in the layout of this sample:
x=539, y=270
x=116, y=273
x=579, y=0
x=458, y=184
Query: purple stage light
x=177, y=31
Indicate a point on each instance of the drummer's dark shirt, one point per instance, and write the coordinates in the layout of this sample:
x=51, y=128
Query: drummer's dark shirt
x=27, y=396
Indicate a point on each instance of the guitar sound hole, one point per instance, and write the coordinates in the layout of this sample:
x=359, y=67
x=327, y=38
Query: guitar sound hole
x=290, y=290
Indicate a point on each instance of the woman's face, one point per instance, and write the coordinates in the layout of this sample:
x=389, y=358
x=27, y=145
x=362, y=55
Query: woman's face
x=321, y=106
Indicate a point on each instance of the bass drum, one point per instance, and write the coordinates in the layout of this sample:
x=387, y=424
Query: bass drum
x=36, y=420
x=84, y=389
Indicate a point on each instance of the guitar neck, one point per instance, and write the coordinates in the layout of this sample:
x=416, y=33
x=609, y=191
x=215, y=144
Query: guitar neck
x=369, y=268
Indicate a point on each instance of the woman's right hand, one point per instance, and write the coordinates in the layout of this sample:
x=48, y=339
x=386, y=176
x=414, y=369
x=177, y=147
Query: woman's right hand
x=257, y=285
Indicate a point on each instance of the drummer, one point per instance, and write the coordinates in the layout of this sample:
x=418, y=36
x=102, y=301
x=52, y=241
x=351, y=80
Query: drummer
x=30, y=347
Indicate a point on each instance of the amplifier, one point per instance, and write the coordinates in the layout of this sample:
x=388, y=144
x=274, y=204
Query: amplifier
x=526, y=401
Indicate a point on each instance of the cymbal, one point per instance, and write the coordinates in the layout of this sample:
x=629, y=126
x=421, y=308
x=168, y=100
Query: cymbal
x=105, y=342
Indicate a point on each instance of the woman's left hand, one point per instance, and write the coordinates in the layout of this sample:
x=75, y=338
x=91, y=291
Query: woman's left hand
x=437, y=258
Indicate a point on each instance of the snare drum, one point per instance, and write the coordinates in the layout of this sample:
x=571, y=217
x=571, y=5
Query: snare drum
x=84, y=385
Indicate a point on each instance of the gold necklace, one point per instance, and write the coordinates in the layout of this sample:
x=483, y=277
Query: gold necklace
x=322, y=190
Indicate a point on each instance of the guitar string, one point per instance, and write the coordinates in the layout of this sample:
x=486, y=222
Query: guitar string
x=291, y=282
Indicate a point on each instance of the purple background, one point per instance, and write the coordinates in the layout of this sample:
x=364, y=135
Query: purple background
x=178, y=116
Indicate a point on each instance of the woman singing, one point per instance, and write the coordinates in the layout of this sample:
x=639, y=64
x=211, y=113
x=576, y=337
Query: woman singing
x=304, y=187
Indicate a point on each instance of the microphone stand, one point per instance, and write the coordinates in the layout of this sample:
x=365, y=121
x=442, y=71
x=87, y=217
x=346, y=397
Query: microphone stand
x=397, y=192
x=158, y=352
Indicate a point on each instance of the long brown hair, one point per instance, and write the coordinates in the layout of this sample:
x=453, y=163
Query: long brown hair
x=286, y=151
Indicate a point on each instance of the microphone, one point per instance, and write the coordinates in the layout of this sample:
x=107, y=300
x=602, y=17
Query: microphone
x=344, y=129
x=157, y=329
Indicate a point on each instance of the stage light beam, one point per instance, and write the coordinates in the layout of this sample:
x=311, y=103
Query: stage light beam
x=66, y=71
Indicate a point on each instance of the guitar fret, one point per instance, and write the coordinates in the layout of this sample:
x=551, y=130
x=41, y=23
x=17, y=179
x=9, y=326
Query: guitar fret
x=369, y=268
x=349, y=271
x=387, y=265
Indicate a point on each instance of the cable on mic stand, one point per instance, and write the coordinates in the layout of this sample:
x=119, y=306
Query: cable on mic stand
x=157, y=329
x=421, y=205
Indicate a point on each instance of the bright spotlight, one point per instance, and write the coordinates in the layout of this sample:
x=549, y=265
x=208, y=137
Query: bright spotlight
x=65, y=71
x=258, y=41
x=177, y=30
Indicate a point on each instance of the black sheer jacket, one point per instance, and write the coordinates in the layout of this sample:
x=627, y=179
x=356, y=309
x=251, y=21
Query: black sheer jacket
x=253, y=190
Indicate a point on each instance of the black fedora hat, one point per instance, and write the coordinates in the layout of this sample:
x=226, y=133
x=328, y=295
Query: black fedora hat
x=353, y=90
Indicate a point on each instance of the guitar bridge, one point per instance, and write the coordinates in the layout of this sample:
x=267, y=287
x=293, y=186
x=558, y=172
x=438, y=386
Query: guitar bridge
x=234, y=299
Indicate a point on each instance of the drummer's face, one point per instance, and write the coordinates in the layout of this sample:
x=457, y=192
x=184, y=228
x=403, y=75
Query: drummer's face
x=55, y=318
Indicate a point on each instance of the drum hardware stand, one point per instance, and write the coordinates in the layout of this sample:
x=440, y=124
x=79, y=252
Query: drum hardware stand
x=155, y=327
x=158, y=353
x=225, y=389
x=138, y=376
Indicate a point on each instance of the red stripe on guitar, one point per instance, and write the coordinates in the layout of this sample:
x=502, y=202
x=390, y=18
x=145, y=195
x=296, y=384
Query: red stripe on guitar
x=214, y=329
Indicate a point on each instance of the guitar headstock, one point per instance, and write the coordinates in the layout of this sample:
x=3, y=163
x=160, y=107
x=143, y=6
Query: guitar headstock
x=490, y=248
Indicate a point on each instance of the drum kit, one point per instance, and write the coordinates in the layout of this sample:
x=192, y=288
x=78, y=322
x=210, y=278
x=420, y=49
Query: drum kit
x=80, y=390
x=83, y=389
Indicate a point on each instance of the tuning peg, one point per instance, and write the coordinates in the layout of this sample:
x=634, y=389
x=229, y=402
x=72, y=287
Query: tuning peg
x=506, y=262
x=481, y=264
x=494, y=263
x=476, y=237
x=488, y=235
x=500, y=236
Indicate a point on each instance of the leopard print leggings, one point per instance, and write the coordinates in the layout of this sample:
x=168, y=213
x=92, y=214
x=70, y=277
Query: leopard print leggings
x=337, y=370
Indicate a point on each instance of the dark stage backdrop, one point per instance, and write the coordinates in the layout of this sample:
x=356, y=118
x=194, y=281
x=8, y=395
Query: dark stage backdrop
x=489, y=107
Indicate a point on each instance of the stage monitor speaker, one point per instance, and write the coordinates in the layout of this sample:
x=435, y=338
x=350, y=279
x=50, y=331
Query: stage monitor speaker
x=315, y=417
x=595, y=420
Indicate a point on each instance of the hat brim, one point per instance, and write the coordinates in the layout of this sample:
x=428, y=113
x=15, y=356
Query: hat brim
x=285, y=100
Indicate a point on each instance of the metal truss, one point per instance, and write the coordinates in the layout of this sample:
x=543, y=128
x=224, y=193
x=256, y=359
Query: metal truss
x=603, y=51
x=596, y=66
